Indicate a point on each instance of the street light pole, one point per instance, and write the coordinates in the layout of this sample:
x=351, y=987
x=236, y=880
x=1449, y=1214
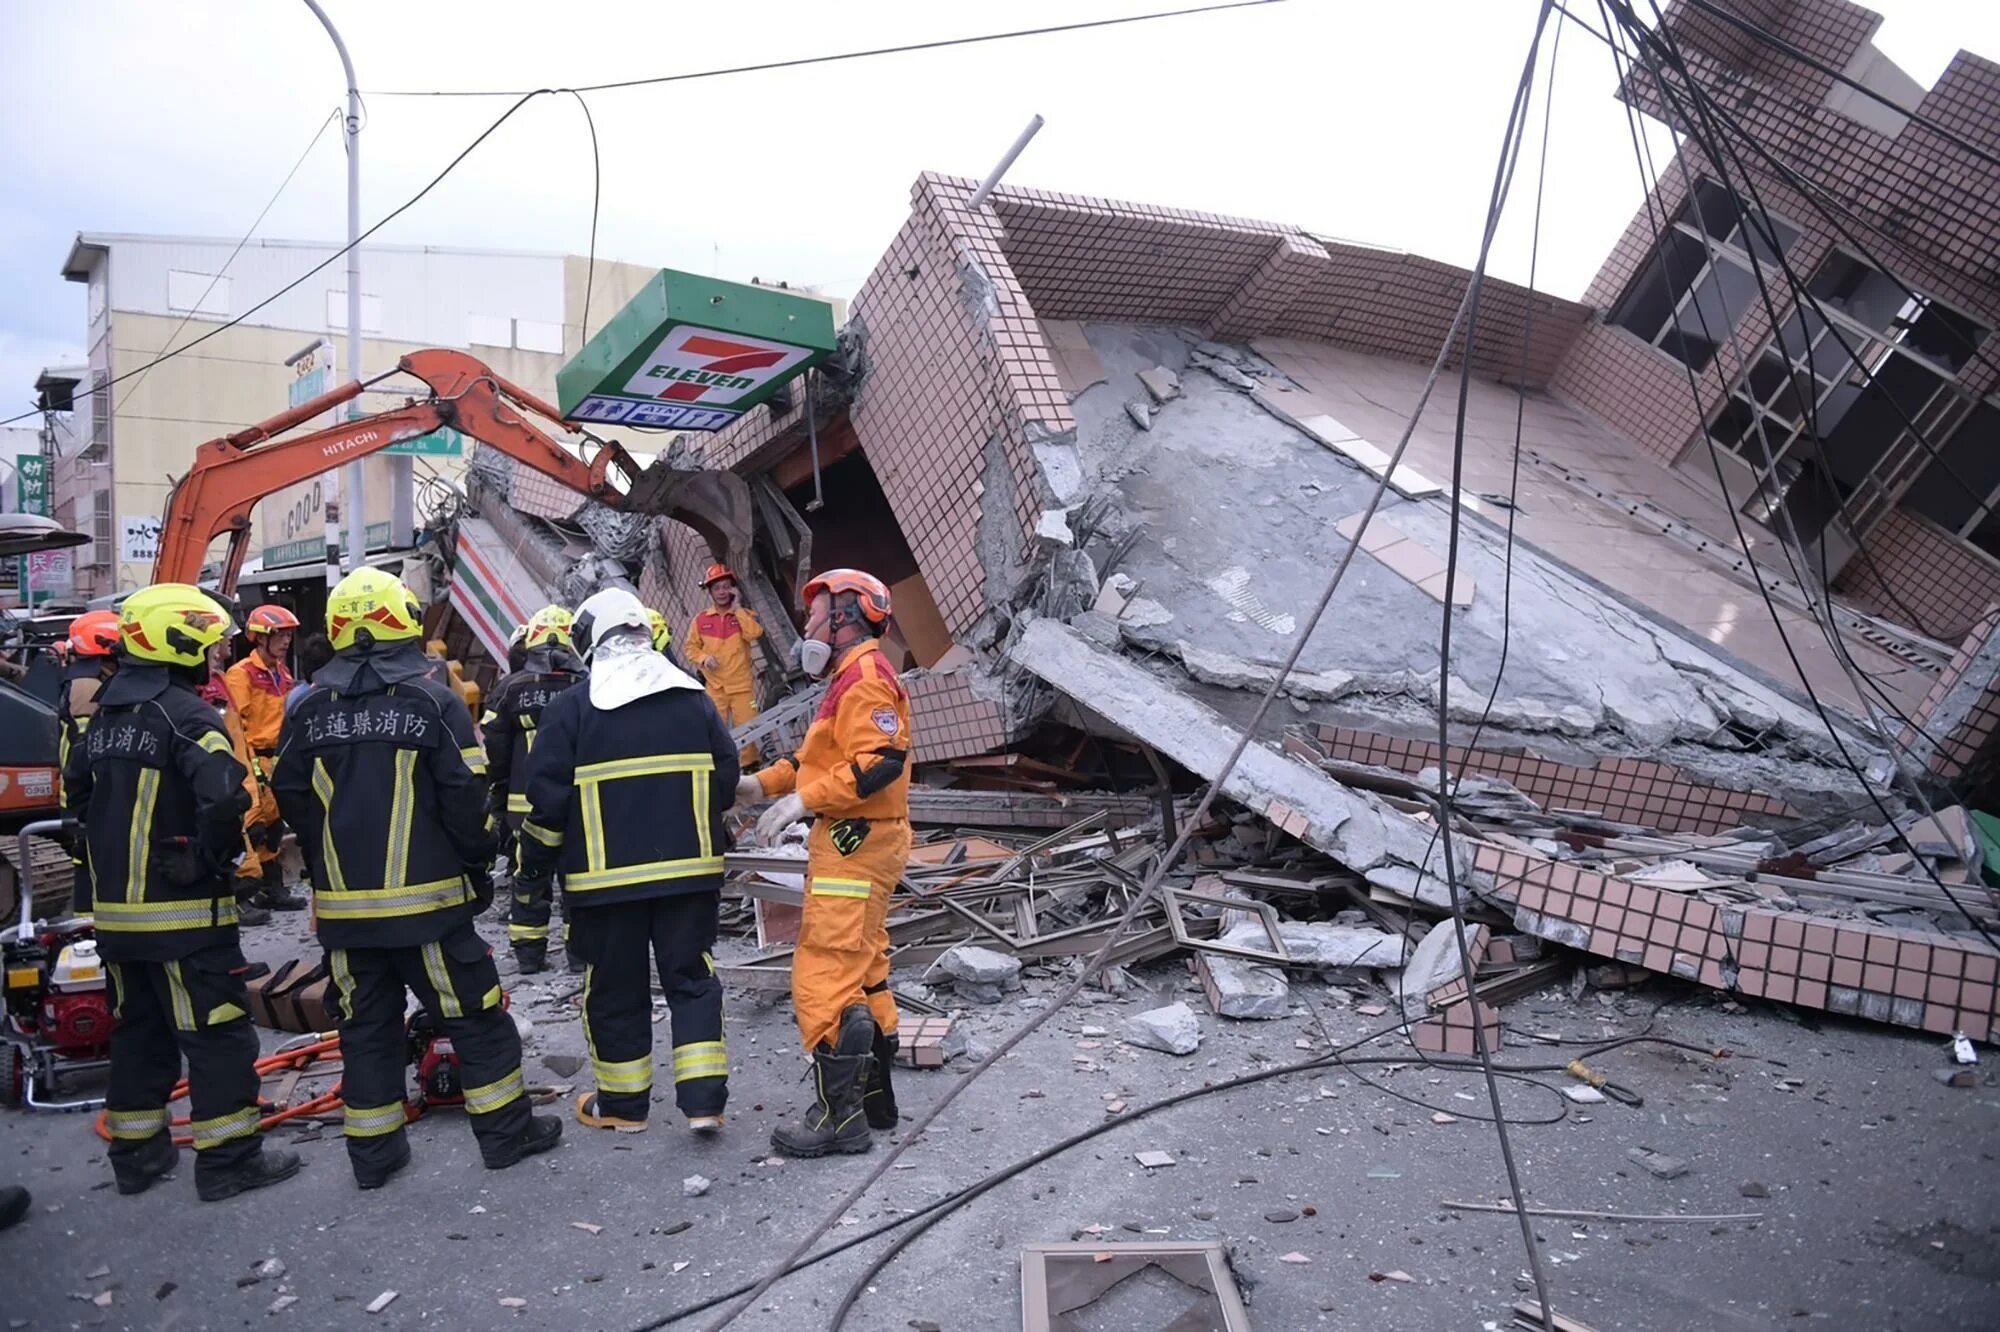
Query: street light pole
x=354, y=510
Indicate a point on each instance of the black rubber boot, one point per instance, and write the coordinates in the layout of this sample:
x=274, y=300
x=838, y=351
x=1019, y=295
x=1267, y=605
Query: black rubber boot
x=878, y=1098
x=255, y=1172
x=836, y=1121
x=378, y=1176
x=14, y=1202
x=273, y=894
x=249, y=913
x=540, y=1135
x=151, y=1163
x=531, y=958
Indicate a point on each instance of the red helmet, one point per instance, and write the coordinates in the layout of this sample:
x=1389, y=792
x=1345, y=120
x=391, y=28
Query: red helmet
x=871, y=594
x=716, y=573
x=266, y=618
x=93, y=634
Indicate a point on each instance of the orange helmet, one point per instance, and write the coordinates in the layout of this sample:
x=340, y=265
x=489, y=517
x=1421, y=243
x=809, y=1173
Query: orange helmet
x=93, y=634
x=716, y=573
x=871, y=594
x=266, y=618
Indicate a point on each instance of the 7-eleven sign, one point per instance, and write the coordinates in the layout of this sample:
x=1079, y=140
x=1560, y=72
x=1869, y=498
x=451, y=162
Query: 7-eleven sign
x=694, y=353
x=704, y=368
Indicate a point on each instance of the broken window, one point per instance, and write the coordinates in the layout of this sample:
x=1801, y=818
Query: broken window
x=1822, y=414
x=1129, y=1288
x=1689, y=295
x=1966, y=504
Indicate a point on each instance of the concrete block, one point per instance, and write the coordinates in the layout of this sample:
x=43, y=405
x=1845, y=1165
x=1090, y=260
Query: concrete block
x=1240, y=989
x=1171, y=1030
x=981, y=966
x=1323, y=945
x=1141, y=414
x=1161, y=383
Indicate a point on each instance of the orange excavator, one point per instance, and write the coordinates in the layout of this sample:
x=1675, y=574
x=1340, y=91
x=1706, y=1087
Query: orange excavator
x=229, y=475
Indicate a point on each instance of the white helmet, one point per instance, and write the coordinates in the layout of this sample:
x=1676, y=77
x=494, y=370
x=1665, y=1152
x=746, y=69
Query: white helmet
x=607, y=609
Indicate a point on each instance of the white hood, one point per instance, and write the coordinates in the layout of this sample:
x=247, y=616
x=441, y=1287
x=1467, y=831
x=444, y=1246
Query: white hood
x=622, y=672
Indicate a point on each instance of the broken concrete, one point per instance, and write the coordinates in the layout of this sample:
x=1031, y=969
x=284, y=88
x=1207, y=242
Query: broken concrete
x=1318, y=944
x=973, y=965
x=1172, y=1030
x=1352, y=826
x=1241, y=989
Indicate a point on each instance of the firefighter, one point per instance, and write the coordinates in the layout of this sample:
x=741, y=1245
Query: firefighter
x=851, y=776
x=549, y=666
x=627, y=787
x=379, y=774
x=160, y=794
x=90, y=655
x=663, y=633
x=718, y=643
x=257, y=688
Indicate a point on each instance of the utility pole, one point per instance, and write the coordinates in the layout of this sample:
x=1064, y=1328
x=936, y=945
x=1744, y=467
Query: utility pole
x=350, y=507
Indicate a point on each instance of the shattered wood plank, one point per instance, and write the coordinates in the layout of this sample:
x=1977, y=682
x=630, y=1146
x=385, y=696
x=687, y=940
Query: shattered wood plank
x=1354, y=828
x=1021, y=809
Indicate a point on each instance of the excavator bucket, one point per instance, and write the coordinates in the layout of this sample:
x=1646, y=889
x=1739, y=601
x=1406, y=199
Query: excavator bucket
x=715, y=504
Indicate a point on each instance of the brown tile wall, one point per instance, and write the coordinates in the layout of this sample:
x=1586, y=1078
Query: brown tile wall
x=1642, y=791
x=1945, y=582
x=1938, y=983
x=1103, y=260
x=950, y=721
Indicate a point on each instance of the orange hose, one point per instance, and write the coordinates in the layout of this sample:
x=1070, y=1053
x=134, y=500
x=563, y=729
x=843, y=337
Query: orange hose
x=299, y=1057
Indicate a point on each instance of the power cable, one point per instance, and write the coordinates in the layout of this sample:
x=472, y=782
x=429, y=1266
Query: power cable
x=217, y=276
x=1827, y=626
x=596, y=192
x=940, y=44
x=325, y=263
x=1443, y=813
x=1150, y=886
x=525, y=96
x=1890, y=736
x=1628, y=22
x=1765, y=37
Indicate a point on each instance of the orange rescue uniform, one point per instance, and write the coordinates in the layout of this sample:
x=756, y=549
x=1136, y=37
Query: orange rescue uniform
x=726, y=635
x=257, y=697
x=853, y=772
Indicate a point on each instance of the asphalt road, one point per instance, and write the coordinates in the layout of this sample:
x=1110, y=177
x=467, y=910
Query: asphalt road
x=1882, y=1206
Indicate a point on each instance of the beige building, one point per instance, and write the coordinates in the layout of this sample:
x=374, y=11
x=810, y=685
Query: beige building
x=124, y=442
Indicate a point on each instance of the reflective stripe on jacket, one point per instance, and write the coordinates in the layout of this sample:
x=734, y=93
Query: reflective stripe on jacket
x=159, y=790
x=379, y=774
x=628, y=801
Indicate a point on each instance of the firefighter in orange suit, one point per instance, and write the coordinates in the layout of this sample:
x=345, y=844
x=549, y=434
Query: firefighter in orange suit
x=257, y=687
x=718, y=644
x=851, y=777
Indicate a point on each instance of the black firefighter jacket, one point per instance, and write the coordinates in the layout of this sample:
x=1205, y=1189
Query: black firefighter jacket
x=379, y=774
x=157, y=786
x=628, y=802
x=513, y=716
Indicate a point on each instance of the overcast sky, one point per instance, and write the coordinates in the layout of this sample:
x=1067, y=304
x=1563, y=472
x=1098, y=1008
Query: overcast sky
x=1357, y=119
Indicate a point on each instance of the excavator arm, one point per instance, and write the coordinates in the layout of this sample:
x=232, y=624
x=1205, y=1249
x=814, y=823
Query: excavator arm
x=232, y=473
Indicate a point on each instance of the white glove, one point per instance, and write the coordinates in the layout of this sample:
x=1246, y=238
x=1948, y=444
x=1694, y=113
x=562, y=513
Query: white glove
x=780, y=816
x=750, y=791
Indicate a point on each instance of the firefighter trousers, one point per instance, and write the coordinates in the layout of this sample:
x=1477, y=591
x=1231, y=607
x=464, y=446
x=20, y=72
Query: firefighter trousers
x=456, y=982
x=843, y=953
x=618, y=1004
x=738, y=706
x=263, y=830
x=528, y=917
x=197, y=1008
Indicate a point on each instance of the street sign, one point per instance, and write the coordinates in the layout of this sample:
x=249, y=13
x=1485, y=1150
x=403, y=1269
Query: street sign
x=31, y=490
x=694, y=353
x=444, y=442
x=312, y=550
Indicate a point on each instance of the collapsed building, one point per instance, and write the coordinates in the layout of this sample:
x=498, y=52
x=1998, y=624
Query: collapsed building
x=1105, y=454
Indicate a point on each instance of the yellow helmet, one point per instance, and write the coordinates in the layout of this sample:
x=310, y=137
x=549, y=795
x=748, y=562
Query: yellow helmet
x=663, y=633
x=171, y=624
x=374, y=603
x=547, y=627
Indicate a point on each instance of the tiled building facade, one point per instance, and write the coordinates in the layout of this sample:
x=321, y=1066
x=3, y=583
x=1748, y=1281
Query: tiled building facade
x=961, y=381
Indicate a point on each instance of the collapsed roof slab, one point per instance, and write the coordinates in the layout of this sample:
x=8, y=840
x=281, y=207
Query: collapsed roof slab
x=1239, y=512
x=1352, y=826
